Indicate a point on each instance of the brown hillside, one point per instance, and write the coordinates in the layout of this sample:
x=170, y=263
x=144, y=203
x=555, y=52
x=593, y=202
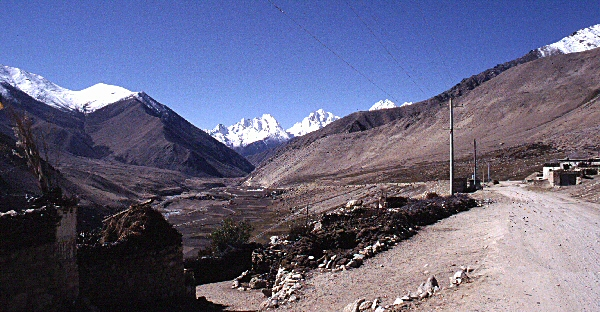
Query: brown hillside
x=552, y=101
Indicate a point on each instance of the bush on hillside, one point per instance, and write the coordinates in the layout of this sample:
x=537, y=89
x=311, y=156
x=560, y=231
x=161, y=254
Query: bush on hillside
x=230, y=235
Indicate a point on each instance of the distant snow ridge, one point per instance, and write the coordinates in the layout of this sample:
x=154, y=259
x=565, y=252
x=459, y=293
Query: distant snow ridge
x=315, y=121
x=384, y=104
x=248, y=131
x=581, y=40
x=43, y=90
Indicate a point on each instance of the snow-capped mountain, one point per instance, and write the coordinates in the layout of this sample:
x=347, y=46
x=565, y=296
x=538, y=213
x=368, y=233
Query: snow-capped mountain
x=581, y=40
x=248, y=131
x=315, y=121
x=384, y=104
x=43, y=90
x=131, y=128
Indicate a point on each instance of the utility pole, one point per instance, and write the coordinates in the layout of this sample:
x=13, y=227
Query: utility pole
x=451, y=149
x=488, y=172
x=475, y=159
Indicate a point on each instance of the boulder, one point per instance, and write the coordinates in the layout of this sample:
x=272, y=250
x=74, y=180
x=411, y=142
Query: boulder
x=459, y=278
x=428, y=288
x=354, y=203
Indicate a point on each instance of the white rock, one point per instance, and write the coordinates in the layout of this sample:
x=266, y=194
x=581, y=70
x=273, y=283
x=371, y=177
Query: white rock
x=364, y=306
x=354, y=306
x=354, y=203
x=375, y=303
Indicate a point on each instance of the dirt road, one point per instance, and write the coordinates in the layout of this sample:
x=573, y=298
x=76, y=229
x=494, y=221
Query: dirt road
x=531, y=251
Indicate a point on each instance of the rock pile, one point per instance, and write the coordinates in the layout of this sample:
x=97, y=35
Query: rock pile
x=342, y=240
x=286, y=289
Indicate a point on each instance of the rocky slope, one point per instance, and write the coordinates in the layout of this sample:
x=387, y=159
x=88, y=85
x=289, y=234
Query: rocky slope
x=552, y=100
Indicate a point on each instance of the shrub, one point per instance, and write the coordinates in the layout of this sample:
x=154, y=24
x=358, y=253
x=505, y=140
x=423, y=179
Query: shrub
x=431, y=195
x=230, y=235
x=298, y=229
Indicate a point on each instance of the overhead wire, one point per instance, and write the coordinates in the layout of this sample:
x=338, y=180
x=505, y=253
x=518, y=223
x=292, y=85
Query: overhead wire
x=331, y=50
x=435, y=46
x=385, y=48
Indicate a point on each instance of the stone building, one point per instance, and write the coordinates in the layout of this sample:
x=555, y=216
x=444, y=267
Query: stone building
x=38, y=269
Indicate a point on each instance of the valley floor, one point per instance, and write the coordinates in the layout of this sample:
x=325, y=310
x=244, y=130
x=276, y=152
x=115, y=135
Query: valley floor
x=530, y=251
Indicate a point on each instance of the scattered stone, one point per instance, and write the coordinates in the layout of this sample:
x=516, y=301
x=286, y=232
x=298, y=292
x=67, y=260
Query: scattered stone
x=398, y=301
x=352, y=264
x=257, y=283
x=459, y=278
x=428, y=288
x=354, y=306
x=318, y=226
x=364, y=306
x=375, y=303
x=354, y=203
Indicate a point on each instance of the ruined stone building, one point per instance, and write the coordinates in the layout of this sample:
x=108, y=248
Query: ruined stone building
x=38, y=268
x=136, y=261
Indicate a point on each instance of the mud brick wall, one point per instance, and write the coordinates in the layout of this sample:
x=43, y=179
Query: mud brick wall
x=118, y=275
x=38, y=269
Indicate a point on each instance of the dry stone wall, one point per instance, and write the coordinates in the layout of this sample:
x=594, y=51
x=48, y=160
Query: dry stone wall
x=112, y=278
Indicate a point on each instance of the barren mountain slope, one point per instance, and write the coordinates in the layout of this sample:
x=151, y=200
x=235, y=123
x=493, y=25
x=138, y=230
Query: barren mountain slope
x=120, y=153
x=552, y=100
x=133, y=133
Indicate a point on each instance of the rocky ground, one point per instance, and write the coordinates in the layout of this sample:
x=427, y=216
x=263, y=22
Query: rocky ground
x=526, y=250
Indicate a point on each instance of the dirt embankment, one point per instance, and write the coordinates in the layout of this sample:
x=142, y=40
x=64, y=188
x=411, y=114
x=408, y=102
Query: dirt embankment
x=531, y=252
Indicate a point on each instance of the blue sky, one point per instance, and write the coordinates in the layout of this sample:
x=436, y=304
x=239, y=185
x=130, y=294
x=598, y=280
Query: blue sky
x=220, y=61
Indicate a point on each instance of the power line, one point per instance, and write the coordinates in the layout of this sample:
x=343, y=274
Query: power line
x=385, y=48
x=331, y=50
x=435, y=45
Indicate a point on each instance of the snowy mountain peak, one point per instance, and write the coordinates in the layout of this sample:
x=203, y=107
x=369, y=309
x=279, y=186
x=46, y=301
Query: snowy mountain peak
x=43, y=90
x=385, y=104
x=581, y=40
x=315, y=121
x=248, y=131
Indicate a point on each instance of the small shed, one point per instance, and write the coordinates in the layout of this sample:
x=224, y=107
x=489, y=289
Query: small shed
x=563, y=177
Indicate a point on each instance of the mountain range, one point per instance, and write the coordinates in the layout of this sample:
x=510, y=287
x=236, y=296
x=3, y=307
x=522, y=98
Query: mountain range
x=254, y=136
x=111, y=145
x=97, y=135
x=521, y=113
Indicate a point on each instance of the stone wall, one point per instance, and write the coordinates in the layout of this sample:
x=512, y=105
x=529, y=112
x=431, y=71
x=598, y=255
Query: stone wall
x=38, y=270
x=136, y=262
x=112, y=276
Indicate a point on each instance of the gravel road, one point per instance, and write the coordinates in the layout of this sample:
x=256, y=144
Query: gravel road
x=530, y=251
